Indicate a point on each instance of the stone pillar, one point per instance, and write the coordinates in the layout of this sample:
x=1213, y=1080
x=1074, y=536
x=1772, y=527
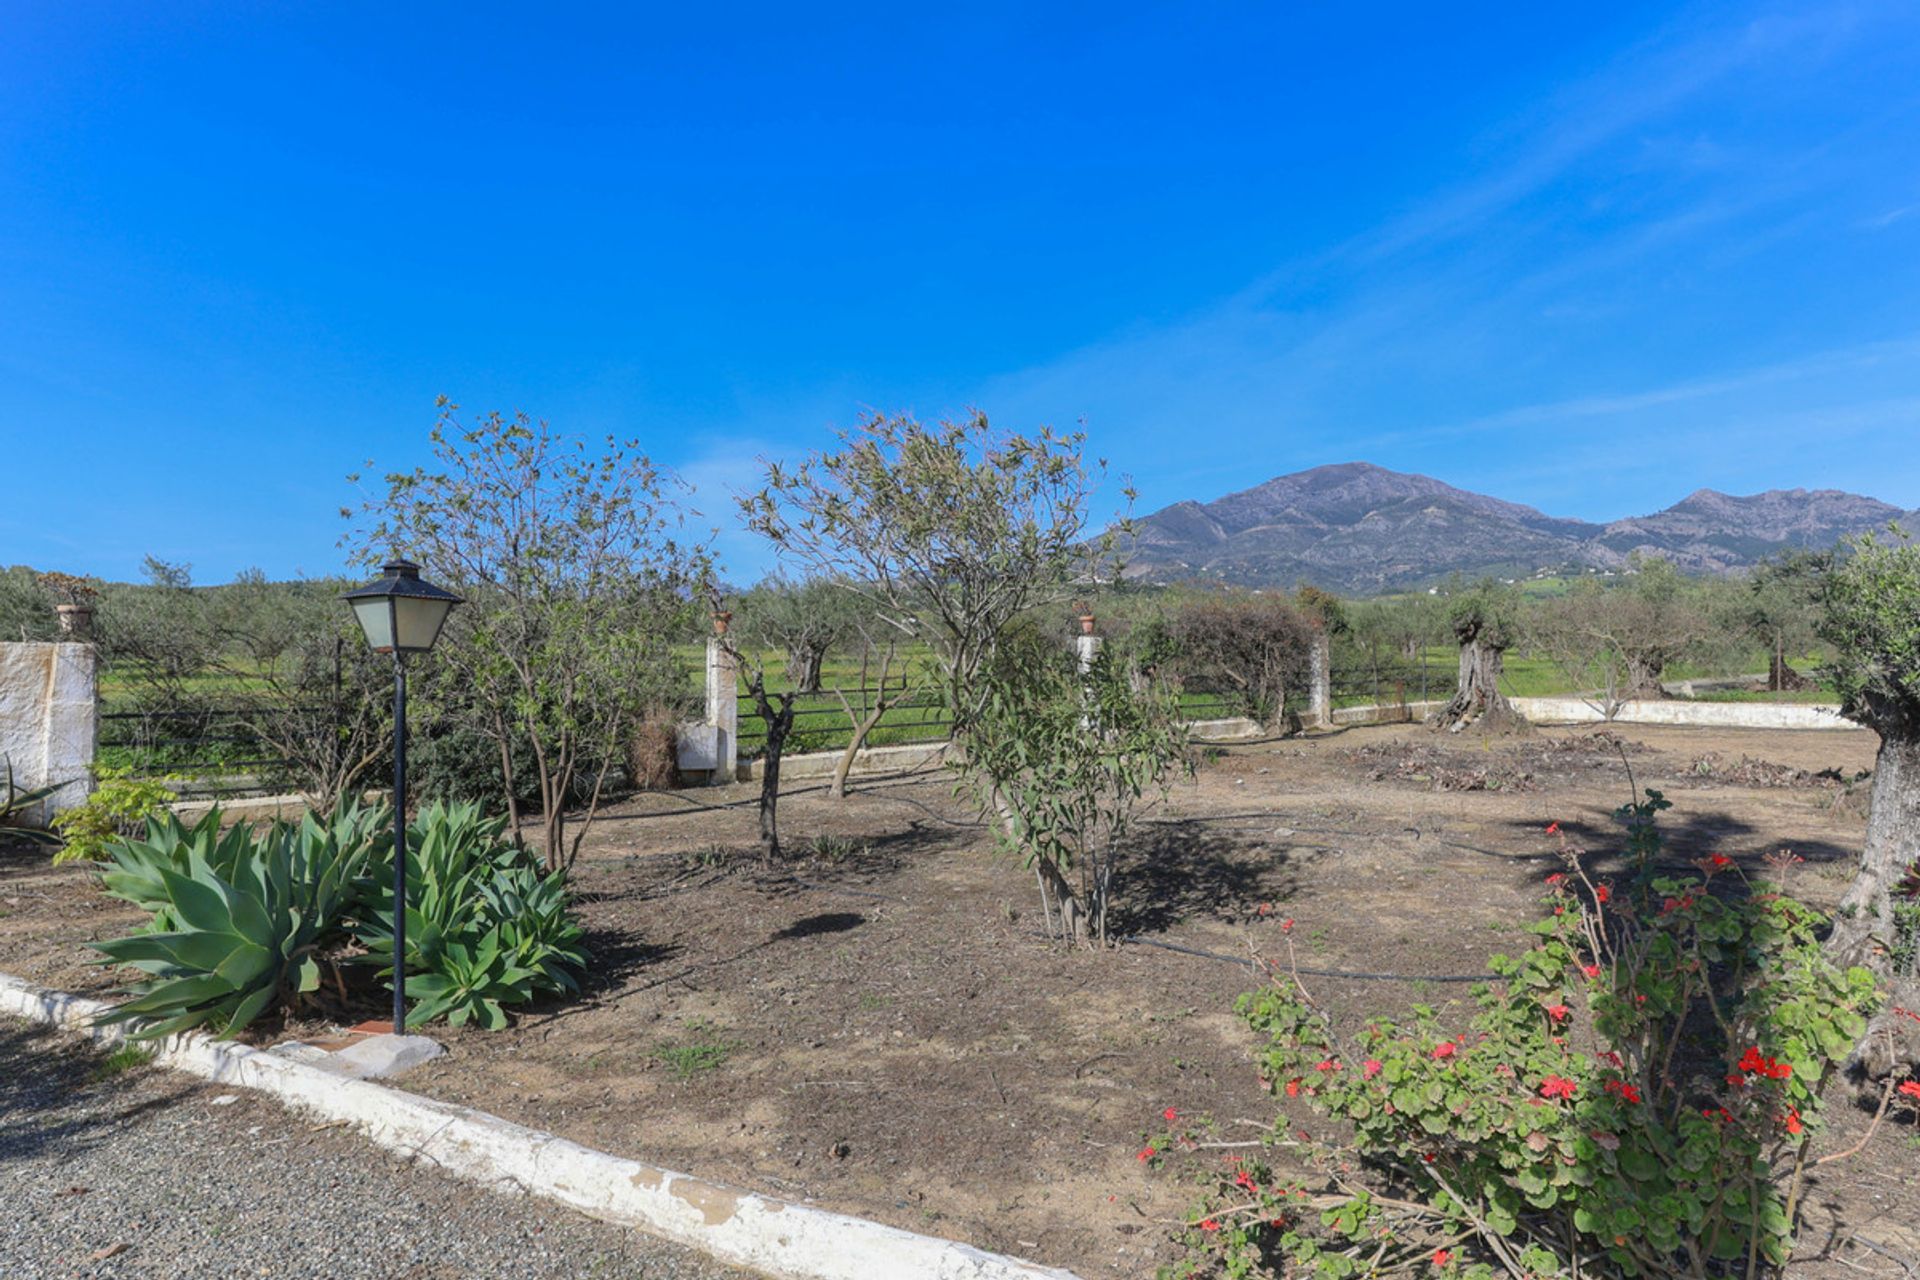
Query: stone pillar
x=1087, y=647
x=50, y=718
x=1320, y=681
x=723, y=711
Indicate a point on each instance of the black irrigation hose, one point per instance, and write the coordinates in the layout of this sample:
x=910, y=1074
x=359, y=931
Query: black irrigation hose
x=1314, y=973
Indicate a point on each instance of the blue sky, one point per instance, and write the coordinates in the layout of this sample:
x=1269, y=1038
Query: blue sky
x=1586, y=258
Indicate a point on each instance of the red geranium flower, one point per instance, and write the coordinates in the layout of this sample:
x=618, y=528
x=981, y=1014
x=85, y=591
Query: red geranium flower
x=1911, y=1089
x=1371, y=1068
x=1558, y=1087
x=1441, y=1257
x=1171, y=1114
x=1558, y=1012
x=1444, y=1049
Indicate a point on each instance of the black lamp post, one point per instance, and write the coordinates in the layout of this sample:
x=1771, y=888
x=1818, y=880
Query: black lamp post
x=401, y=613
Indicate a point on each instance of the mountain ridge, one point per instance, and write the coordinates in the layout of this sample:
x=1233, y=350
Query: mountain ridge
x=1360, y=527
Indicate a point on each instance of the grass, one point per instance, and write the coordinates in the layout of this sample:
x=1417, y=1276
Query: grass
x=706, y=1051
x=127, y=1057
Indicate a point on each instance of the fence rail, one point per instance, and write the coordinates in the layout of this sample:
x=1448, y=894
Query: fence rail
x=214, y=746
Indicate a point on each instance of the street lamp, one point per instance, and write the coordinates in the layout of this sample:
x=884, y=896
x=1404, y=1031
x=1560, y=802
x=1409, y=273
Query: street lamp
x=401, y=613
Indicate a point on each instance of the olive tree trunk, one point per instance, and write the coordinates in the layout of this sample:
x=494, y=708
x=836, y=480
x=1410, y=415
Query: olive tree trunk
x=1864, y=927
x=1477, y=699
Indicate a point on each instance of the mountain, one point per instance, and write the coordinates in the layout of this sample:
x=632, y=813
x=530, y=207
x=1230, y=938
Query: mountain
x=1359, y=528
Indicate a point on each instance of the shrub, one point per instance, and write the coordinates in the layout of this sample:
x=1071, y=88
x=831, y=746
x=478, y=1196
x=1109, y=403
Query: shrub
x=226, y=945
x=1635, y=1097
x=485, y=927
x=119, y=806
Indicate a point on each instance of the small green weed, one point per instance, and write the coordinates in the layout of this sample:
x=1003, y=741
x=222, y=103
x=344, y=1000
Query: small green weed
x=122, y=1060
x=706, y=1051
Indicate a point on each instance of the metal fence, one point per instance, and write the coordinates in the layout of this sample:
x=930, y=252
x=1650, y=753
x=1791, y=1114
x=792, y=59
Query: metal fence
x=1363, y=678
x=214, y=749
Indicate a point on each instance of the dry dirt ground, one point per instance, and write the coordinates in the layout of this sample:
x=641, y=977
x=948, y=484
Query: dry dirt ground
x=880, y=1027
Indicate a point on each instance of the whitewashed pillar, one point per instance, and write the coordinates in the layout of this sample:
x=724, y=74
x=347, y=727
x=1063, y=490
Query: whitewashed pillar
x=1320, y=680
x=723, y=711
x=50, y=718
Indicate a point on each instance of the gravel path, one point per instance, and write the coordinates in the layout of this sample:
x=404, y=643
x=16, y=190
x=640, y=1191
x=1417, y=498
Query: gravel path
x=151, y=1173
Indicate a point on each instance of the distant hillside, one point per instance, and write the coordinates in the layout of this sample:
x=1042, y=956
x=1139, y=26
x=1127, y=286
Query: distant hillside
x=1358, y=528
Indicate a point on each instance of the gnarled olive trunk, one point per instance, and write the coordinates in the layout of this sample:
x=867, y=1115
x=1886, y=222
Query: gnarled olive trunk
x=803, y=668
x=1865, y=927
x=1477, y=699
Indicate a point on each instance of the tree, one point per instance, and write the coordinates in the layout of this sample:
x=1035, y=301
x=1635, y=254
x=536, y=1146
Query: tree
x=949, y=531
x=1061, y=758
x=880, y=657
x=1575, y=633
x=1259, y=643
x=1872, y=622
x=805, y=620
x=1484, y=624
x=575, y=586
x=1782, y=610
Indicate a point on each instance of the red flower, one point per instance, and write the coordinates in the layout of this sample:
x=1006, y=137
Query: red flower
x=1329, y=1064
x=1602, y=894
x=1558, y=1012
x=1591, y=970
x=1793, y=1121
x=1170, y=1114
x=1371, y=1068
x=1286, y=926
x=1265, y=909
x=1911, y=1089
x=1293, y=1088
x=1558, y=1087
x=1753, y=1063
x=1209, y=1224
x=1146, y=1154
x=1623, y=1090
x=1553, y=828
x=1556, y=877
x=1441, y=1257
x=1443, y=1050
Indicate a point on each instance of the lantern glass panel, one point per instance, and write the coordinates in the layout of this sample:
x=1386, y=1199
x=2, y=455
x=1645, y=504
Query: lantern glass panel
x=376, y=619
x=419, y=621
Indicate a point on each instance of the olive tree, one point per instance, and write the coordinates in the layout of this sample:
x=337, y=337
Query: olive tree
x=1782, y=610
x=1872, y=622
x=576, y=592
x=1484, y=621
x=949, y=531
x=806, y=621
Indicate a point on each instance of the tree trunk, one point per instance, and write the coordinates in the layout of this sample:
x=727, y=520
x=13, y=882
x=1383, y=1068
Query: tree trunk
x=1864, y=927
x=1781, y=677
x=803, y=668
x=779, y=722
x=1075, y=926
x=838, y=788
x=1477, y=700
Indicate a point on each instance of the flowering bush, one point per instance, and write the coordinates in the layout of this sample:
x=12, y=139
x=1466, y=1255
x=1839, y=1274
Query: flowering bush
x=1634, y=1097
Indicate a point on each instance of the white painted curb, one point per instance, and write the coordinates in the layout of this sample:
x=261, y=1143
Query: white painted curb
x=782, y=1239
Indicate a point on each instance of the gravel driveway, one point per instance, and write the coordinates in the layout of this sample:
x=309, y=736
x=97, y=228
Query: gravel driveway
x=148, y=1172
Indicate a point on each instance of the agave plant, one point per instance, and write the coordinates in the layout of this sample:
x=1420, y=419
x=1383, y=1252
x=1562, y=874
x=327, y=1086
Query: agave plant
x=14, y=804
x=485, y=928
x=240, y=919
x=133, y=866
